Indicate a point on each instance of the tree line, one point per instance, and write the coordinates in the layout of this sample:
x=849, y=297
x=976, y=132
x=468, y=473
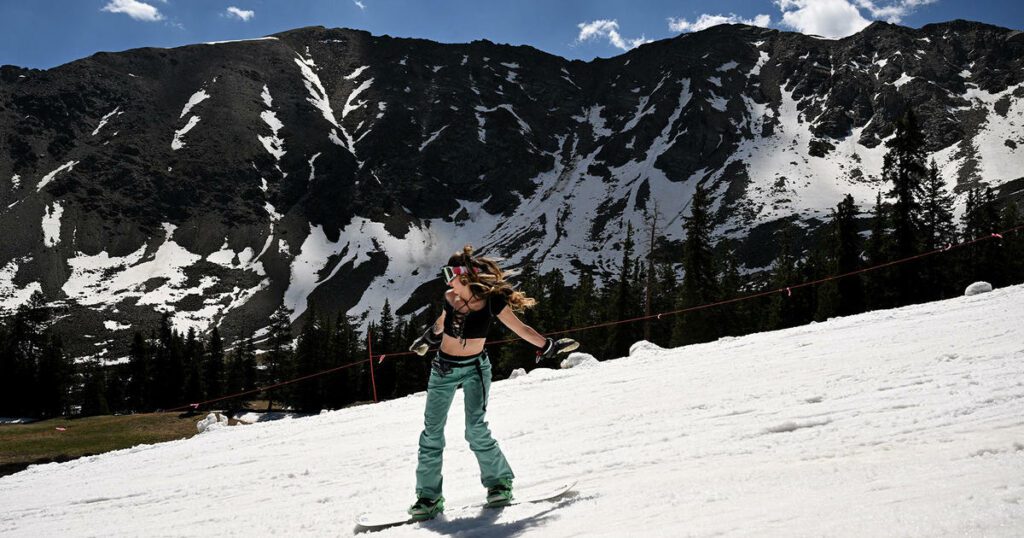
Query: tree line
x=912, y=215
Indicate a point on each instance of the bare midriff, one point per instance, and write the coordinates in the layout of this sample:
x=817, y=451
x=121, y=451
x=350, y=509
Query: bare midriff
x=454, y=347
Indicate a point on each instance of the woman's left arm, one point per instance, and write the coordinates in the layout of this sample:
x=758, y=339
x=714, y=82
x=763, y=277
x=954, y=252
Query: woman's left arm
x=509, y=318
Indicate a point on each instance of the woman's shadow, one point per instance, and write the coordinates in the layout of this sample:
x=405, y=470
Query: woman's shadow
x=484, y=523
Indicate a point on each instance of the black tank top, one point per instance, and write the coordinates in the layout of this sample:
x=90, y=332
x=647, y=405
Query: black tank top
x=475, y=323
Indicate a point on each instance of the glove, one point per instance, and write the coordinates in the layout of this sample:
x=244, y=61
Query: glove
x=556, y=347
x=427, y=340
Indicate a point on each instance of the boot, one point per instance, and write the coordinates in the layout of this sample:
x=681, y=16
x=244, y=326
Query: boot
x=425, y=509
x=500, y=494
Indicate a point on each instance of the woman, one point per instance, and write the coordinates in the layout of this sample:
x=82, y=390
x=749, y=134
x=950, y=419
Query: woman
x=478, y=292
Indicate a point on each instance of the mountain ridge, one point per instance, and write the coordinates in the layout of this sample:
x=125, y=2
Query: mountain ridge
x=220, y=181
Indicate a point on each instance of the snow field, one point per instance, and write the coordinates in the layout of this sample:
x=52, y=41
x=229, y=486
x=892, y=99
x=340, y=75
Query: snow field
x=903, y=422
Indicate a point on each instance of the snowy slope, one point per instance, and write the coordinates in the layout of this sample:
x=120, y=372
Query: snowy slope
x=905, y=422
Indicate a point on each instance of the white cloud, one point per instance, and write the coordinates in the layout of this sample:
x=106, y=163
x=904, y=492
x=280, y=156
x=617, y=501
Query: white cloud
x=894, y=12
x=707, y=21
x=241, y=14
x=608, y=30
x=827, y=18
x=139, y=11
x=840, y=18
x=360, y=4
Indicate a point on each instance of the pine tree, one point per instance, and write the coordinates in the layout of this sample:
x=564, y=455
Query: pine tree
x=937, y=231
x=699, y=275
x=234, y=378
x=619, y=335
x=309, y=360
x=26, y=341
x=734, y=316
x=7, y=368
x=53, y=380
x=340, y=386
x=904, y=166
x=384, y=343
x=664, y=301
x=937, y=228
x=784, y=311
x=213, y=365
x=94, y=389
x=411, y=370
x=241, y=373
x=139, y=393
x=878, y=282
x=650, y=275
x=192, y=358
x=1012, y=245
x=811, y=268
x=842, y=246
x=981, y=260
x=277, y=359
x=557, y=301
x=169, y=365
x=15, y=373
x=583, y=311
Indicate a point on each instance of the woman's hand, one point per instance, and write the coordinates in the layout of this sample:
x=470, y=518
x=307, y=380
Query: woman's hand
x=427, y=340
x=554, y=347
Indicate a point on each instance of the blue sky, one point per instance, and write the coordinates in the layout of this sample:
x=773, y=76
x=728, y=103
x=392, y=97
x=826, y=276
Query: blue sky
x=46, y=33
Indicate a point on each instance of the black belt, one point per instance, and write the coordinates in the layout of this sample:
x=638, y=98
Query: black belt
x=444, y=364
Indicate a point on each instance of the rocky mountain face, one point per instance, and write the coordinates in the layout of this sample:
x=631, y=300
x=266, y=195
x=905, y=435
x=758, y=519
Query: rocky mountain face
x=333, y=168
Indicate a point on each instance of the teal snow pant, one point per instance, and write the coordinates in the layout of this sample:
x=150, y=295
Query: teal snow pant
x=447, y=373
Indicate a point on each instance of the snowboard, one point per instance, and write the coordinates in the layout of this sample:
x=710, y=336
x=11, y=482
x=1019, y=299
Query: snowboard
x=548, y=491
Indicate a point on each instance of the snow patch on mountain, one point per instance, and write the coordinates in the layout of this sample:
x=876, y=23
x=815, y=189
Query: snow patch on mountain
x=904, y=78
x=273, y=144
x=159, y=279
x=349, y=106
x=568, y=197
x=784, y=180
x=597, y=123
x=355, y=74
x=242, y=260
x=272, y=213
x=314, y=253
x=101, y=280
x=12, y=296
x=762, y=59
x=312, y=167
x=105, y=119
x=194, y=100
x=716, y=102
x=997, y=129
x=51, y=224
x=112, y=325
x=418, y=253
x=641, y=110
x=268, y=38
x=66, y=167
x=317, y=94
x=432, y=137
x=728, y=66
x=177, y=142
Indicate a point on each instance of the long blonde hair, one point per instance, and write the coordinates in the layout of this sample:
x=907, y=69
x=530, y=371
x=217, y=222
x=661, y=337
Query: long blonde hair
x=488, y=279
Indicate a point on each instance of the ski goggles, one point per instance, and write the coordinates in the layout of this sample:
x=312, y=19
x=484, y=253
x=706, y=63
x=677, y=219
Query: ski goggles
x=449, y=272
